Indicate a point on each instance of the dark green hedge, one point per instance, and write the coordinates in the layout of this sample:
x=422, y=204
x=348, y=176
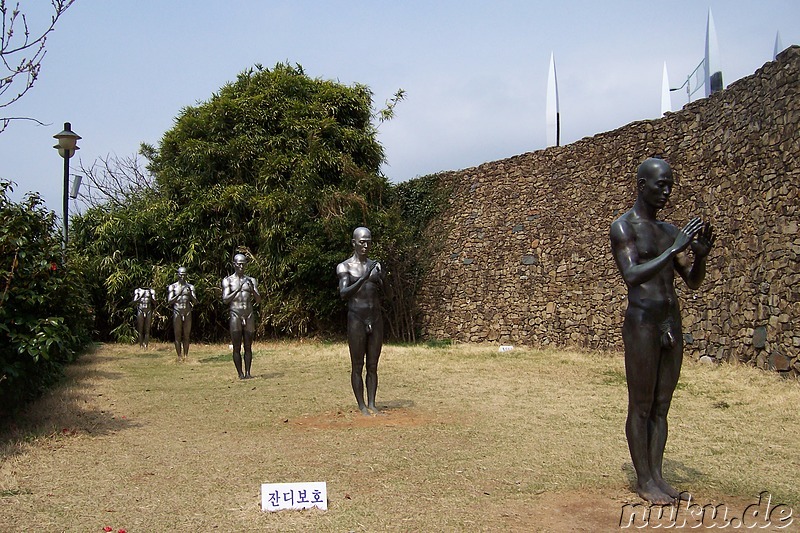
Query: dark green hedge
x=44, y=311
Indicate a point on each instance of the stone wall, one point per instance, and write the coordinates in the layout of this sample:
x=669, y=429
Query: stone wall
x=523, y=256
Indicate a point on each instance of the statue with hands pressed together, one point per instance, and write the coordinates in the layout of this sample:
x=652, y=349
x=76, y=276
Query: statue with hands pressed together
x=182, y=298
x=360, y=283
x=240, y=292
x=145, y=301
x=647, y=253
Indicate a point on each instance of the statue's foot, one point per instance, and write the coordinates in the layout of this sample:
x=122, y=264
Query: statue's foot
x=241, y=376
x=668, y=489
x=375, y=410
x=247, y=376
x=364, y=410
x=653, y=494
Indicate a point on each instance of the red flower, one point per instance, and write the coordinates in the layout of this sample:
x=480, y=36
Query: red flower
x=53, y=267
x=108, y=528
x=120, y=530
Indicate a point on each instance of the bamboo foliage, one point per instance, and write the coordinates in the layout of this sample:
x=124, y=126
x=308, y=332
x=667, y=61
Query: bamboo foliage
x=275, y=164
x=280, y=167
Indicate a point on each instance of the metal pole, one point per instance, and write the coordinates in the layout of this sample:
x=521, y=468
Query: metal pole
x=558, y=129
x=65, y=209
x=689, y=87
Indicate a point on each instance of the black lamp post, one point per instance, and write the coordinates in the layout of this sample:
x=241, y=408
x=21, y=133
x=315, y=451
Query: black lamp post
x=67, y=146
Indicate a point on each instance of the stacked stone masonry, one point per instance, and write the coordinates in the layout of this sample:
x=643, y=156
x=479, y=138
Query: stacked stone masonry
x=523, y=255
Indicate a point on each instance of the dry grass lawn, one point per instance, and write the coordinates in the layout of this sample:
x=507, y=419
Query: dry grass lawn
x=472, y=440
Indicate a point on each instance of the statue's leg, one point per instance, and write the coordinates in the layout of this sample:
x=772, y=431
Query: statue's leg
x=668, y=373
x=374, y=345
x=140, y=327
x=642, y=341
x=187, y=331
x=147, y=320
x=236, y=340
x=248, y=351
x=357, y=343
x=177, y=325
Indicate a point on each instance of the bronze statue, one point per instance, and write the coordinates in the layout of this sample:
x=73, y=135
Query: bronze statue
x=647, y=252
x=145, y=301
x=240, y=292
x=360, y=280
x=181, y=296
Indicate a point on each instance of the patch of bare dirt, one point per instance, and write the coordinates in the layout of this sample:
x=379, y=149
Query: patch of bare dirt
x=593, y=511
x=567, y=511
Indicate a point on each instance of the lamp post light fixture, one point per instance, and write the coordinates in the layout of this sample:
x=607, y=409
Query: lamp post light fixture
x=76, y=186
x=67, y=146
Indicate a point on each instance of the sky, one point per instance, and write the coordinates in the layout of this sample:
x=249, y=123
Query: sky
x=474, y=72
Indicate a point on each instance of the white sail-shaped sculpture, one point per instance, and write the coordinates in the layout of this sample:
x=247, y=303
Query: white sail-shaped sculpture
x=778, y=46
x=553, y=117
x=713, y=67
x=666, y=99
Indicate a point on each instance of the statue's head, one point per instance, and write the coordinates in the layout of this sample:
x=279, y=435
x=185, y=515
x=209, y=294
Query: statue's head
x=239, y=262
x=181, y=272
x=362, y=240
x=654, y=181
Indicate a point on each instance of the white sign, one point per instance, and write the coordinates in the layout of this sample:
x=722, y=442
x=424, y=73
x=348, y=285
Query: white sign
x=280, y=496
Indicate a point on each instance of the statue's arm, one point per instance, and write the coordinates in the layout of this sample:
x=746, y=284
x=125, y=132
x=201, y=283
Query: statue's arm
x=348, y=290
x=701, y=247
x=256, y=294
x=381, y=273
x=227, y=293
x=626, y=255
x=344, y=289
x=623, y=246
x=192, y=294
x=172, y=295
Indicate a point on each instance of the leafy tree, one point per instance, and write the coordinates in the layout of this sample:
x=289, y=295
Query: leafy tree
x=276, y=165
x=44, y=313
x=21, y=53
x=407, y=248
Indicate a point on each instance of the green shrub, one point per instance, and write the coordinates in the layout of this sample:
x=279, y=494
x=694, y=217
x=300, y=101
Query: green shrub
x=44, y=314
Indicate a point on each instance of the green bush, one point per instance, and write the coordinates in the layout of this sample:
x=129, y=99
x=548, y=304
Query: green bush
x=276, y=165
x=44, y=311
x=280, y=167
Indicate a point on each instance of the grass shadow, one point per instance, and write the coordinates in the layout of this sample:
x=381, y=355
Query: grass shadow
x=148, y=355
x=63, y=411
x=85, y=368
x=396, y=404
x=675, y=473
x=216, y=358
x=680, y=473
x=271, y=375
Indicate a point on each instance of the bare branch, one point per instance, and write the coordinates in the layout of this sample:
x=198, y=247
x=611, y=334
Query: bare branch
x=115, y=180
x=4, y=122
x=21, y=54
